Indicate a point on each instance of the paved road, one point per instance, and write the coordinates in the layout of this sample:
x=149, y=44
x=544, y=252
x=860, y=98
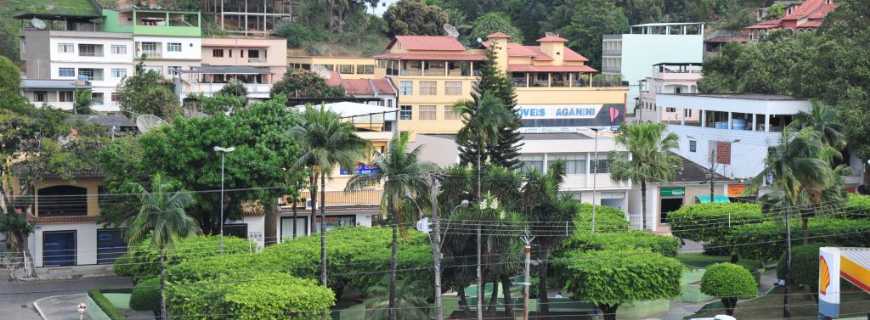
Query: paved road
x=16, y=297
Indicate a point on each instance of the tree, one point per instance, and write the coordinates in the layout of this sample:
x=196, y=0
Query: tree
x=412, y=299
x=609, y=278
x=483, y=122
x=83, y=100
x=161, y=220
x=235, y=88
x=415, y=17
x=584, y=22
x=325, y=141
x=494, y=22
x=305, y=84
x=822, y=118
x=404, y=178
x=648, y=157
x=729, y=282
x=10, y=86
x=146, y=92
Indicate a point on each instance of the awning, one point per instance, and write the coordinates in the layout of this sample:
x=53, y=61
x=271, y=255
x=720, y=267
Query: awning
x=352, y=109
x=717, y=198
x=54, y=84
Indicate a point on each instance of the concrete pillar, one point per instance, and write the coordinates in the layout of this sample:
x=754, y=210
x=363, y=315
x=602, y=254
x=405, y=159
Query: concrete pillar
x=498, y=43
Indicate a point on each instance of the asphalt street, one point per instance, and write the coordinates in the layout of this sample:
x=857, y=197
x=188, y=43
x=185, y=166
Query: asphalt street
x=16, y=297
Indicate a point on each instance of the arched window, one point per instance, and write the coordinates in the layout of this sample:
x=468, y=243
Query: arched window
x=64, y=200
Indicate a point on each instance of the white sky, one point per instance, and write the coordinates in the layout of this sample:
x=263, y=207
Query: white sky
x=383, y=7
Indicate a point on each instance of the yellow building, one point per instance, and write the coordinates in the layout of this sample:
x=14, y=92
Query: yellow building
x=347, y=67
x=553, y=83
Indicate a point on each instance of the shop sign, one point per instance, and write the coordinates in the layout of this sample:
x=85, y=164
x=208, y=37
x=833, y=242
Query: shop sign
x=672, y=191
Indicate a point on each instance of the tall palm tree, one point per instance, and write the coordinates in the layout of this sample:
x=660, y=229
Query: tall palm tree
x=483, y=123
x=403, y=177
x=162, y=219
x=823, y=119
x=325, y=140
x=649, y=157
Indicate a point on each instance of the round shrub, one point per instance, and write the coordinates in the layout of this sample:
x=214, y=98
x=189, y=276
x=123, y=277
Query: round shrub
x=766, y=241
x=729, y=282
x=661, y=244
x=709, y=221
x=146, y=295
x=804, y=266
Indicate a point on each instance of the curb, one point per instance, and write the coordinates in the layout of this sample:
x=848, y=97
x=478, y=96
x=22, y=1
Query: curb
x=39, y=310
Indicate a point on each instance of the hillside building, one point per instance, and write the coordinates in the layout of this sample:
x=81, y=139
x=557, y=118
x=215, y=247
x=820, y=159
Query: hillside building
x=808, y=15
x=257, y=63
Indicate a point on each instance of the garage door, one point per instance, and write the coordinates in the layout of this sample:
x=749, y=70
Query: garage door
x=59, y=248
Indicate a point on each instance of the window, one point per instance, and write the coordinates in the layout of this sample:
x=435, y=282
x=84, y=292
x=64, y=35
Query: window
x=173, y=70
x=450, y=113
x=574, y=163
x=601, y=165
x=406, y=87
x=333, y=222
x=149, y=48
x=40, y=96
x=91, y=74
x=345, y=68
x=119, y=73
x=66, y=72
x=173, y=47
x=405, y=113
x=252, y=54
x=453, y=88
x=434, y=68
x=532, y=163
x=97, y=98
x=116, y=97
x=119, y=49
x=365, y=69
x=65, y=48
x=65, y=96
x=217, y=53
x=90, y=50
x=693, y=146
x=670, y=109
x=428, y=88
x=428, y=112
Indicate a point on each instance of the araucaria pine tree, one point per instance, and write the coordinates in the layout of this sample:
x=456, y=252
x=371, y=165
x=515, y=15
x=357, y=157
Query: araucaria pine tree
x=505, y=151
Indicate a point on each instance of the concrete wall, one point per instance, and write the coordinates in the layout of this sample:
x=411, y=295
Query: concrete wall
x=86, y=242
x=36, y=54
x=747, y=156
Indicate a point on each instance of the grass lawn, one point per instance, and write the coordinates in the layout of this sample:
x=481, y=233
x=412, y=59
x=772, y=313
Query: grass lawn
x=853, y=304
x=119, y=300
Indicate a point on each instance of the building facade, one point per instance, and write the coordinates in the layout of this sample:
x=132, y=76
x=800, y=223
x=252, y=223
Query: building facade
x=808, y=15
x=669, y=78
x=629, y=57
x=256, y=62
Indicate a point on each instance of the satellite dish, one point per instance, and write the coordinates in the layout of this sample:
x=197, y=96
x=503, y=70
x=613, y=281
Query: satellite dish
x=38, y=23
x=451, y=30
x=147, y=122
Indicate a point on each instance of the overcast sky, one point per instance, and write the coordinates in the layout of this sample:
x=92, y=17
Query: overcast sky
x=383, y=7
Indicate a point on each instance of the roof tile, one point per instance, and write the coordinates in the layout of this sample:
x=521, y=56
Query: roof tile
x=428, y=43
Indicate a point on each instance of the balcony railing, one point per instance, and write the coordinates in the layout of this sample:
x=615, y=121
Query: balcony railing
x=256, y=60
x=365, y=198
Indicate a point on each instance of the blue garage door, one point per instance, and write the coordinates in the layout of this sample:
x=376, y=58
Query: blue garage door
x=59, y=248
x=110, y=245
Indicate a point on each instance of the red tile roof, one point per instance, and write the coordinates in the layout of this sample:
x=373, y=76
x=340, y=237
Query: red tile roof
x=570, y=55
x=534, y=52
x=564, y=68
x=427, y=43
x=448, y=56
x=362, y=87
x=498, y=35
x=552, y=39
x=808, y=14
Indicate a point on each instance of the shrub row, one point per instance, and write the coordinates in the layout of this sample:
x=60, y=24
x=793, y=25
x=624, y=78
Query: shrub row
x=106, y=305
x=661, y=244
x=262, y=295
x=710, y=221
x=804, y=266
x=766, y=241
x=858, y=206
x=143, y=261
x=146, y=295
x=607, y=219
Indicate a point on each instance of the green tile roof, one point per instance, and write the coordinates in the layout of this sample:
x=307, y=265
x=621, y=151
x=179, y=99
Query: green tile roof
x=56, y=8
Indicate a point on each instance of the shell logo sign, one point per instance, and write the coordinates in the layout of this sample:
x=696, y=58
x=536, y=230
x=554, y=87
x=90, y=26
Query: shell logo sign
x=824, y=276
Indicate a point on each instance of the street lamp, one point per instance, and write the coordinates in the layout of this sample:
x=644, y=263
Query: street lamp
x=223, y=151
x=594, y=175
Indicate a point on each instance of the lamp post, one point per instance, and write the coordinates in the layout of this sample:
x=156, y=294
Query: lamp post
x=223, y=151
x=594, y=176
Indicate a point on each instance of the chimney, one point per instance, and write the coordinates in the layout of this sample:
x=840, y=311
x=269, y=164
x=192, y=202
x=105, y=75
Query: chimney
x=499, y=44
x=554, y=46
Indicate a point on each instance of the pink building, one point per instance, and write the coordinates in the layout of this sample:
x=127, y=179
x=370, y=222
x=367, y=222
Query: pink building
x=256, y=62
x=808, y=15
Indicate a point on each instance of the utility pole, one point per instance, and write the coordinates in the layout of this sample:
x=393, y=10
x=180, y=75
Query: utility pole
x=479, y=278
x=594, y=177
x=527, y=280
x=436, y=245
x=786, y=313
x=712, y=172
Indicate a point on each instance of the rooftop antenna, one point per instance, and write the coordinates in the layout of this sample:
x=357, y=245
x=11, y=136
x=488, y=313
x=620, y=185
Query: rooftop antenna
x=147, y=122
x=451, y=30
x=38, y=24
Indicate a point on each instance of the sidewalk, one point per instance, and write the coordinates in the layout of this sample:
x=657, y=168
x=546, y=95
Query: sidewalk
x=61, y=307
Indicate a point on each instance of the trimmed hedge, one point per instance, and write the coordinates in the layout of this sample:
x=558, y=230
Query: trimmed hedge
x=607, y=219
x=261, y=296
x=142, y=260
x=661, y=244
x=766, y=241
x=146, y=295
x=709, y=221
x=106, y=305
x=858, y=206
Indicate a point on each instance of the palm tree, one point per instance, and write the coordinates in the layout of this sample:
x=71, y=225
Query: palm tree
x=413, y=299
x=404, y=178
x=162, y=219
x=326, y=140
x=483, y=123
x=823, y=119
x=649, y=157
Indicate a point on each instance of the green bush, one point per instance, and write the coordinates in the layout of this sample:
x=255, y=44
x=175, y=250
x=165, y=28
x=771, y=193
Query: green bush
x=260, y=296
x=709, y=221
x=142, y=260
x=858, y=206
x=661, y=244
x=729, y=282
x=106, y=305
x=766, y=241
x=804, y=266
x=607, y=219
x=146, y=295
x=609, y=278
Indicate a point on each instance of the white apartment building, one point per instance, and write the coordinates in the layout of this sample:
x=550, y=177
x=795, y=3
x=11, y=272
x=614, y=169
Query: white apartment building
x=670, y=78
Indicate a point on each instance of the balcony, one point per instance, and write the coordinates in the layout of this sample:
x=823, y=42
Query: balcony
x=255, y=90
x=338, y=199
x=150, y=54
x=256, y=60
